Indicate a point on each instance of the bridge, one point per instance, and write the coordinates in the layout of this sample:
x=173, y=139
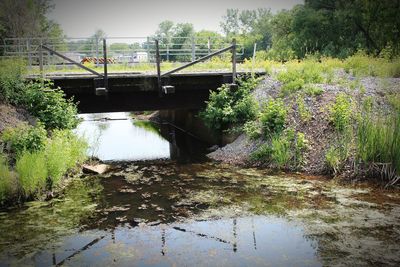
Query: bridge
x=96, y=89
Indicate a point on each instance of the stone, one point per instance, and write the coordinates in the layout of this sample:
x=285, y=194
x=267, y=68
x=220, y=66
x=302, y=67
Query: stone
x=97, y=169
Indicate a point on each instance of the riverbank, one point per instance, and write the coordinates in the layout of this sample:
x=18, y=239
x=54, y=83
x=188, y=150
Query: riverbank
x=311, y=115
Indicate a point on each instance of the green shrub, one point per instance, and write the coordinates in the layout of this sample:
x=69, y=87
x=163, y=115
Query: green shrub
x=50, y=106
x=32, y=172
x=253, y=129
x=7, y=181
x=273, y=117
x=341, y=112
x=11, y=81
x=228, y=106
x=263, y=153
x=313, y=90
x=25, y=138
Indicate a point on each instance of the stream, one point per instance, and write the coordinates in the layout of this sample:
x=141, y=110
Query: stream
x=164, y=204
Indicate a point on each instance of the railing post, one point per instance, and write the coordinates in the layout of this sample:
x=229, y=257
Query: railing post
x=105, y=64
x=234, y=61
x=28, y=47
x=167, y=51
x=193, y=49
x=41, y=59
x=209, y=45
x=158, y=68
x=97, y=51
x=148, y=49
x=254, y=59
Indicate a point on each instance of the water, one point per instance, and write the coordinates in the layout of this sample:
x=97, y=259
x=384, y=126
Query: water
x=171, y=212
x=116, y=136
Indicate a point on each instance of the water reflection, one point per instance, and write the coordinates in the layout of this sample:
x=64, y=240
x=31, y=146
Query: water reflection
x=117, y=137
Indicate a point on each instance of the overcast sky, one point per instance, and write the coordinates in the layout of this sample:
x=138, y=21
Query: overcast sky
x=80, y=18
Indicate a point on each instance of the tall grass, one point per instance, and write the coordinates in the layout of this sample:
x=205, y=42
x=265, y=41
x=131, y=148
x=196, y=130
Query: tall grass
x=378, y=144
x=362, y=65
x=7, y=180
x=32, y=171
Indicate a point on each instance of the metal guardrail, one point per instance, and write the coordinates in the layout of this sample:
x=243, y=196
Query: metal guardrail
x=163, y=89
x=125, y=50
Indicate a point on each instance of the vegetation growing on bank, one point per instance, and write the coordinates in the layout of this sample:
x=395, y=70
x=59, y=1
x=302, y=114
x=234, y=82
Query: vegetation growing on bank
x=362, y=135
x=35, y=158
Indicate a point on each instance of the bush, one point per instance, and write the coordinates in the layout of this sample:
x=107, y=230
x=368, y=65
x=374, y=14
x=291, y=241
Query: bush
x=11, y=81
x=7, y=180
x=253, y=129
x=226, y=106
x=303, y=110
x=25, y=138
x=273, y=117
x=50, y=106
x=341, y=112
x=32, y=171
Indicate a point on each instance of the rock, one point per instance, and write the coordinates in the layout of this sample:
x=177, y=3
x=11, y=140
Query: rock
x=97, y=169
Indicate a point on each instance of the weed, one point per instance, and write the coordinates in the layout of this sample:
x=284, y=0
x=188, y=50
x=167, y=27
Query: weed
x=341, y=112
x=32, y=172
x=304, y=111
x=7, y=180
x=253, y=129
x=273, y=117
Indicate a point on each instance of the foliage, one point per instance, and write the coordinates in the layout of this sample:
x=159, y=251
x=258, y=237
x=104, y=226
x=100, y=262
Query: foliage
x=11, y=82
x=32, y=172
x=25, y=138
x=283, y=150
x=361, y=64
x=299, y=74
x=335, y=28
x=378, y=141
x=253, y=129
x=50, y=106
x=63, y=152
x=228, y=106
x=273, y=117
x=337, y=154
x=7, y=180
x=303, y=110
x=341, y=112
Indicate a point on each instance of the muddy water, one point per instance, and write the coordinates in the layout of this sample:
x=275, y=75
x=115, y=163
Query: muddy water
x=168, y=213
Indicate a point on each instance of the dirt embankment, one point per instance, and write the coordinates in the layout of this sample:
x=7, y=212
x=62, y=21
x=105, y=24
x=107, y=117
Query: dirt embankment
x=11, y=116
x=318, y=130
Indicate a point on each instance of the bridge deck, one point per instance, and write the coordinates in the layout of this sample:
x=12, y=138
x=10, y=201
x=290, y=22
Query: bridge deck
x=139, y=91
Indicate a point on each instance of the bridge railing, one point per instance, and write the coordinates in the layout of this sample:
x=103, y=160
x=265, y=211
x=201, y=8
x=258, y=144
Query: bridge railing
x=126, y=51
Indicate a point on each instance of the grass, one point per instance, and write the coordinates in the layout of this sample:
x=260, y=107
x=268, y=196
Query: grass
x=8, y=181
x=362, y=65
x=378, y=143
x=32, y=172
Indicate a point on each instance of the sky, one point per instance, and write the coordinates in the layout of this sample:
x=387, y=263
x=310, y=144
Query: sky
x=133, y=18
